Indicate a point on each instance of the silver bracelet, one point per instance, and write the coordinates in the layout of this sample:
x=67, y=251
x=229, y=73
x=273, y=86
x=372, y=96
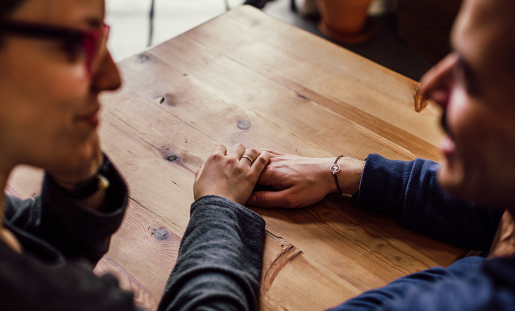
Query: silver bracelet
x=335, y=168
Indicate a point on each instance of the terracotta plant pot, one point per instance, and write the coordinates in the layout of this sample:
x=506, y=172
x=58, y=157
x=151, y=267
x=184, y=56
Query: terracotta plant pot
x=346, y=20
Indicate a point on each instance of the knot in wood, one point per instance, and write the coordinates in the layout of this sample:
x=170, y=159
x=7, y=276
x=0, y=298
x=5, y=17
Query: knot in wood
x=244, y=125
x=160, y=234
x=142, y=58
x=172, y=158
x=159, y=99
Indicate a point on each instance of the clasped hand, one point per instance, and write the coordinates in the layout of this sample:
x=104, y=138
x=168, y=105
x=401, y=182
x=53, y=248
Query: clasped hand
x=229, y=174
x=295, y=181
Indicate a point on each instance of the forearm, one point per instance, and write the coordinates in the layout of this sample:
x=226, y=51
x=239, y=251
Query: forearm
x=220, y=259
x=410, y=192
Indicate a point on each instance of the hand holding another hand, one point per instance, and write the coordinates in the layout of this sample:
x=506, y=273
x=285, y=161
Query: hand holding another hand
x=301, y=181
x=232, y=176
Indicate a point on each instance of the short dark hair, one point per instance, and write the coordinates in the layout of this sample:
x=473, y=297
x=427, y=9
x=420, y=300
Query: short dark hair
x=7, y=7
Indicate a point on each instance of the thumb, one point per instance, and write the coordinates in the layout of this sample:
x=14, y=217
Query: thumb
x=268, y=199
x=199, y=172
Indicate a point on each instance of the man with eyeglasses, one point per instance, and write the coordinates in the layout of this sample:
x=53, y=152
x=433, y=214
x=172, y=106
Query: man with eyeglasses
x=460, y=201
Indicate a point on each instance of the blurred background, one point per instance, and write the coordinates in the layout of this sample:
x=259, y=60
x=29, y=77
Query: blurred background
x=410, y=35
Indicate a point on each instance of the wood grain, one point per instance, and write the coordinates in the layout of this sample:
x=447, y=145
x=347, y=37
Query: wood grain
x=247, y=78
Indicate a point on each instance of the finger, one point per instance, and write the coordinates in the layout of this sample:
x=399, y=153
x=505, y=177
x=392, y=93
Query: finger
x=267, y=176
x=269, y=199
x=260, y=163
x=237, y=151
x=220, y=149
x=199, y=172
x=252, y=154
x=272, y=153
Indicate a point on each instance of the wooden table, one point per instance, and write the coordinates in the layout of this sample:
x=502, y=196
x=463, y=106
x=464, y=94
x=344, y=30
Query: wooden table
x=248, y=78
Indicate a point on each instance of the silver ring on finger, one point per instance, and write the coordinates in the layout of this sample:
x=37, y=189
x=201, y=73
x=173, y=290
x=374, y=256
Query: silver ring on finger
x=248, y=158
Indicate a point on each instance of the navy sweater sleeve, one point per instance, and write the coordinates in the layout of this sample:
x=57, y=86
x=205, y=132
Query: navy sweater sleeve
x=220, y=259
x=409, y=191
x=472, y=283
x=75, y=231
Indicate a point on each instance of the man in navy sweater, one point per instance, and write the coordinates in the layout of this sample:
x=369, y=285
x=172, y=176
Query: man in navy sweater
x=474, y=85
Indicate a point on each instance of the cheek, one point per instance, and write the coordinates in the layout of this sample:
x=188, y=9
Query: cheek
x=467, y=123
x=470, y=133
x=39, y=100
x=64, y=83
x=484, y=142
x=51, y=100
x=31, y=80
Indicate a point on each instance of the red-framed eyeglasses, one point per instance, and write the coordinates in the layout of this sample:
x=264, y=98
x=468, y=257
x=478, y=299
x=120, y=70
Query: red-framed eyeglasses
x=90, y=42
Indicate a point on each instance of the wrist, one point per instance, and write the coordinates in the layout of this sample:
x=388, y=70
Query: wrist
x=335, y=169
x=327, y=175
x=348, y=176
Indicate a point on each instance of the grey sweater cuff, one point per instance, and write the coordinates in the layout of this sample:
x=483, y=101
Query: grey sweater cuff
x=220, y=259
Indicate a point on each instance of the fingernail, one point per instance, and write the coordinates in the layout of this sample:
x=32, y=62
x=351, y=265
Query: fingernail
x=252, y=200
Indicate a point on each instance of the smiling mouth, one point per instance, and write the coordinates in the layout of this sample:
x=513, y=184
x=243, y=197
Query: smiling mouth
x=90, y=119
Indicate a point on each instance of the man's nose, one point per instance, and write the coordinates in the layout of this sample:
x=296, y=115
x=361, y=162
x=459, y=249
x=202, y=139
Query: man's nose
x=437, y=82
x=107, y=76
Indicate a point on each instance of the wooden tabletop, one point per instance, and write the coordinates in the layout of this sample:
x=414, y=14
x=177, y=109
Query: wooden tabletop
x=248, y=78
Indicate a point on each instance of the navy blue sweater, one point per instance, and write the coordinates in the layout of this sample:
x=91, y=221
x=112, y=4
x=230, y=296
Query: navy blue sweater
x=409, y=191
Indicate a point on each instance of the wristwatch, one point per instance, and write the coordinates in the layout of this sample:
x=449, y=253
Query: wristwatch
x=91, y=186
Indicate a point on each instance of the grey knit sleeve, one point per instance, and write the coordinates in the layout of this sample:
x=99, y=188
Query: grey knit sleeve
x=220, y=258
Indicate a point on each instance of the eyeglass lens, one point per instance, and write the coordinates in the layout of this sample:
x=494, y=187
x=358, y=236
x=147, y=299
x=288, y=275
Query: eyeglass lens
x=93, y=43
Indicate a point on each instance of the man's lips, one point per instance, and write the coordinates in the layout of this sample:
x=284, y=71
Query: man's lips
x=448, y=146
x=90, y=118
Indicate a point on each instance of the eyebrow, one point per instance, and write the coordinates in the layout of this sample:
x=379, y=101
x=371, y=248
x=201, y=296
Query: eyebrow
x=94, y=22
